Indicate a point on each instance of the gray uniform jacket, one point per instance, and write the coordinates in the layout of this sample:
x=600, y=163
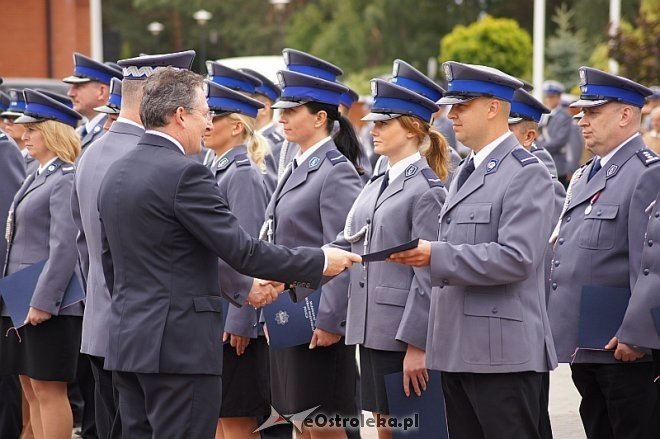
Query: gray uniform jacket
x=639, y=327
x=121, y=138
x=88, y=137
x=273, y=159
x=242, y=187
x=164, y=224
x=555, y=136
x=388, y=304
x=309, y=207
x=40, y=227
x=454, y=162
x=12, y=174
x=487, y=305
x=601, y=239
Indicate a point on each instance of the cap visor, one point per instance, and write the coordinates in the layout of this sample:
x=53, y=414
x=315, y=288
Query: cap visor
x=452, y=100
x=76, y=79
x=107, y=110
x=27, y=119
x=373, y=117
x=515, y=120
x=287, y=104
x=10, y=113
x=588, y=103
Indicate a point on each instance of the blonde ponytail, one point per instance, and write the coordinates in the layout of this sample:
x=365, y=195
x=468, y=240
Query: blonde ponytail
x=257, y=145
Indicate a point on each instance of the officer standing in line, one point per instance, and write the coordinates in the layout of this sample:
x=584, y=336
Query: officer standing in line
x=598, y=255
x=555, y=128
x=90, y=88
x=113, y=106
x=15, y=131
x=122, y=137
x=488, y=329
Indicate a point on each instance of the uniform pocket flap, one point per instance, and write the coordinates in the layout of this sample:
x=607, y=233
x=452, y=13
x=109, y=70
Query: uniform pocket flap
x=602, y=211
x=208, y=303
x=391, y=296
x=487, y=305
x=475, y=213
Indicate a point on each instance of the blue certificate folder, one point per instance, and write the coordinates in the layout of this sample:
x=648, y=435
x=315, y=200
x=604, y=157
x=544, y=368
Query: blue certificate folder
x=17, y=290
x=291, y=324
x=427, y=411
x=601, y=314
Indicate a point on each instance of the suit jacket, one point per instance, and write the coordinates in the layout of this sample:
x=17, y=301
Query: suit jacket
x=242, y=187
x=309, y=207
x=639, y=327
x=388, y=304
x=555, y=135
x=601, y=245
x=12, y=174
x=164, y=225
x=88, y=137
x=120, y=139
x=487, y=306
x=40, y=229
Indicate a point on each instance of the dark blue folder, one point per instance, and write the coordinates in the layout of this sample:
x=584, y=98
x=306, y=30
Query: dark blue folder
x=17, y=290
x=291, y=324
x=601, y=314
x=655, y=313
x=427, y=411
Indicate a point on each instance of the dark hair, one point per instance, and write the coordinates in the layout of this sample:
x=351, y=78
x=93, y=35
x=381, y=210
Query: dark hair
x=345, y=139
x=164, y=92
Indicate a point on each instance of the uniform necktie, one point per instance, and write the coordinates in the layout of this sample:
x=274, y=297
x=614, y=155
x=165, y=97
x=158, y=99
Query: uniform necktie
x=594, y=169
x=384, y=183
x=465, y=173
x=294, y=164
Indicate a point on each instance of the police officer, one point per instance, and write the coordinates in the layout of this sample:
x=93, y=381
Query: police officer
x=122, y=137
x=15, y=131
x=5, y=100
x=389, y=304
x=488, y=328
x=113, y=106
x=555, y=129
x=597, y=258
x=90, y=88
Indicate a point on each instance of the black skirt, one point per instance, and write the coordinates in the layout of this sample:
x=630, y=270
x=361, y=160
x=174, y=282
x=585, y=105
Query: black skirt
x=302, y=378
x=374, y=365
x=245, y=381
x=47, y=352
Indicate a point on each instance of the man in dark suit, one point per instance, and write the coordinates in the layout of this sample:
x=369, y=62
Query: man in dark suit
x=164, y=224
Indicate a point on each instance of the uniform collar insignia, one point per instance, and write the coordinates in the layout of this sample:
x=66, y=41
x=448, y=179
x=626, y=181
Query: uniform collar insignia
x=410, y=171
x=223, y=163
x=490, y=167
x=611, y=171
x=314, y=162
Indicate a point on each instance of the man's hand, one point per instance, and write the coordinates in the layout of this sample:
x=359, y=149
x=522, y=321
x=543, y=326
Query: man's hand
x=323, y=338
x=237, y=341
x=414, y=370
x=623, y=351
x=36, y=316
x=262, y=293
x=339, y=260
x=417, y=257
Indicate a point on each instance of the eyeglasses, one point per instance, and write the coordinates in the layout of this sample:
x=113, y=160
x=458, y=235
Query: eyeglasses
x=208, y=115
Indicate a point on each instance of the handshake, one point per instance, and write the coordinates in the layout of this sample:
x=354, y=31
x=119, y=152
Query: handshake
x=264, y=292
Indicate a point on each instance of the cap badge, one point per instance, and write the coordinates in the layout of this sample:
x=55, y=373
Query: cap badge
x=583, y=77
x=447, y=69
x=395, y=69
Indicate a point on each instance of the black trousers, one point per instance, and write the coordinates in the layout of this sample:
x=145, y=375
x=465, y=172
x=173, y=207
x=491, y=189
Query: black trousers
x=81, y=397
x=493, y=405
x=10, y=407
x=618, y=400
x=168, y=406
x=106, y=401
x=545, y=428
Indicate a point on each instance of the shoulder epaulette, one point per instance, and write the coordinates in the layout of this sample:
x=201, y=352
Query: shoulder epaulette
x=68, y=169
x=277, y=137
x=647, y=156
x=241, y=160
x=335, y=157
x=524, y=157
x=431, y=178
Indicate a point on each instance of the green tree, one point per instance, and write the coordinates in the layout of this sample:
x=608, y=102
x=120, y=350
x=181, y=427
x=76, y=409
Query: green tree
x=566, y=50
x=637, y=49
x=495, y=42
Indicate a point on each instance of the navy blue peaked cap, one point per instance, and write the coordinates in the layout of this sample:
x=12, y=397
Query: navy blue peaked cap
x=16, y=104
x=144, y=66
x=40, y=107
x=232, y=78
x=267, y=88
x=86, y=69
x=392, y=100
x=407, y=76
x=598, y=87
x=302, y=62
x=114, y=99
x=222, y=99
x=525, y=107
x=468, y=81
x=299, y=89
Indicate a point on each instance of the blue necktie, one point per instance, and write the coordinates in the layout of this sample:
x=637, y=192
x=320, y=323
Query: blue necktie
x=384, y=183
x=465, y=173
x=594, y=169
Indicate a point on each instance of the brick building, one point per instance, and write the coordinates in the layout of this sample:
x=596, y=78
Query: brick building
x=40, y=36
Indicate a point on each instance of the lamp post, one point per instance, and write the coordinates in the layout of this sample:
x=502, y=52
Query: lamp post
x=155, y=28
x=202, y=17
x=280, y=7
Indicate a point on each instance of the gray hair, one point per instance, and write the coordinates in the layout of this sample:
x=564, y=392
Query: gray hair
x=165, y=91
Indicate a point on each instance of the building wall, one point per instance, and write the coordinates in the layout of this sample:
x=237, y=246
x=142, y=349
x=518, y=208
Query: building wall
x=31, y=48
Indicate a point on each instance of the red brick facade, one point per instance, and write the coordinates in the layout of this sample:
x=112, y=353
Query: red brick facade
x=31, y=48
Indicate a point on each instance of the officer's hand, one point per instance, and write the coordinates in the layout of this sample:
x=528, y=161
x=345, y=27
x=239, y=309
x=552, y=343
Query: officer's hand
x=239, y=343
x=417, y=257
x=279, y=286
x=261, y=294
x=623, y=351
x=323, y=338
x=414, y=370
x=36, y=316
x=339, y=260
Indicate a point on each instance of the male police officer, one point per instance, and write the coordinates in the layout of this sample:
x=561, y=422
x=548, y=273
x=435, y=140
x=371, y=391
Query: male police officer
x=597, y=259
x=488, y=329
